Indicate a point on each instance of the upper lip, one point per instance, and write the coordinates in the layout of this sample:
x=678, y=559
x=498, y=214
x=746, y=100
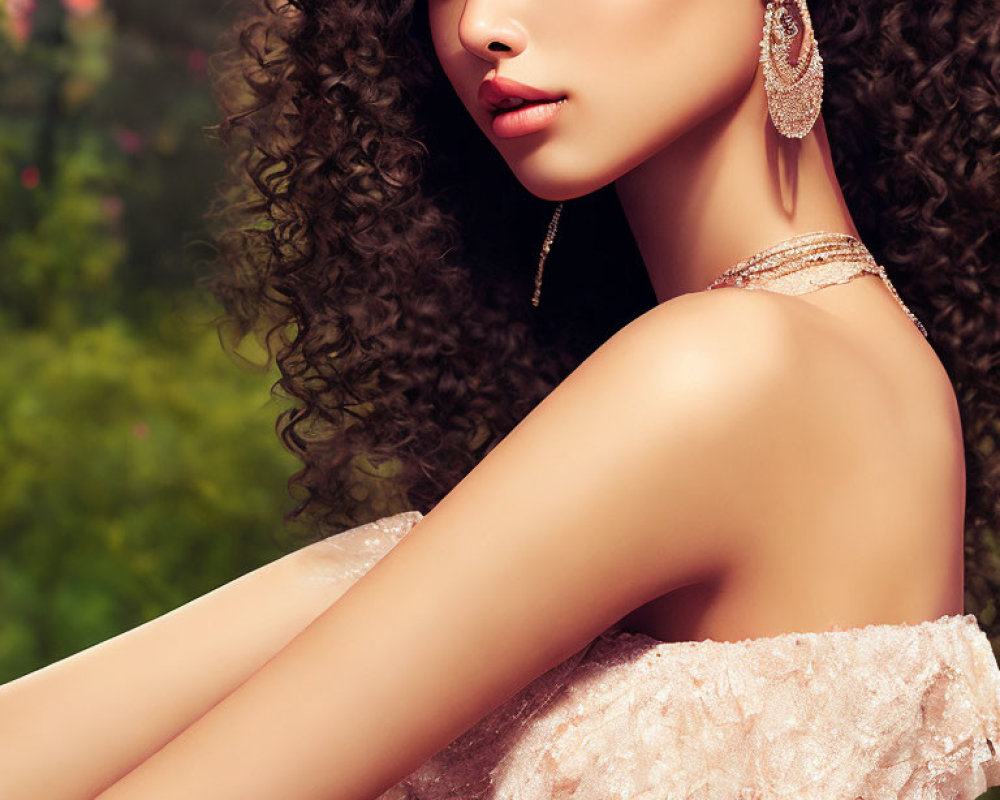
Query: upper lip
x=493, y=91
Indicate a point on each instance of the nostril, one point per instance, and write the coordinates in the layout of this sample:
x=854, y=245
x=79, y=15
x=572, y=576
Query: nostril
x=497, y=46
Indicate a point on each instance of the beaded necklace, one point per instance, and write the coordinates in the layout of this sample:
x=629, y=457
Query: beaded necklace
x=806, y=262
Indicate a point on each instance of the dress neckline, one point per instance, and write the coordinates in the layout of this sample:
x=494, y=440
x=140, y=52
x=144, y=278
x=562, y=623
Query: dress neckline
x=945, y=620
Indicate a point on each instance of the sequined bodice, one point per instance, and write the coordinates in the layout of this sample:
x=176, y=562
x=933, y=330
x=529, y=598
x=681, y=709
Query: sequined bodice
x=900, y=712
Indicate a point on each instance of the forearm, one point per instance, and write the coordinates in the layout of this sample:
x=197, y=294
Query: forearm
x=75, y=727
x=376, y=685
x=307, y=725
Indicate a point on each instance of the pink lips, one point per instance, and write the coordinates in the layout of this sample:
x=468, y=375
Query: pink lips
x=541, y=107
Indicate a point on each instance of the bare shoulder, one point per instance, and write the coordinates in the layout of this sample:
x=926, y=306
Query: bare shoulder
x=674, y=412
x=740, y=335
x=781, y=352
x=787, y=395
x=721, y=363
x=848, y=419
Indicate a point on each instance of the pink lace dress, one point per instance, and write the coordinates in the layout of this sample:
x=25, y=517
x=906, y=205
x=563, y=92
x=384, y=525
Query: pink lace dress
x=900, y=712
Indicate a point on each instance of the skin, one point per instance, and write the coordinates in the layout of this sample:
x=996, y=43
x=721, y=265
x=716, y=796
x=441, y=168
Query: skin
x=678, y=121
x=773, y=448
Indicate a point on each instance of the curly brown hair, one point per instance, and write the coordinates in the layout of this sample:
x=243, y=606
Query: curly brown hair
x=410, y=351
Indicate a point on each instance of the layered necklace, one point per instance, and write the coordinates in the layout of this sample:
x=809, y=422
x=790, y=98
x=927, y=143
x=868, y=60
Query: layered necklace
x=806, y=262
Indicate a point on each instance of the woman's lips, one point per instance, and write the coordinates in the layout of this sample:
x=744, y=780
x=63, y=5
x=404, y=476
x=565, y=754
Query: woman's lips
x=528, y=118
x=534, y=108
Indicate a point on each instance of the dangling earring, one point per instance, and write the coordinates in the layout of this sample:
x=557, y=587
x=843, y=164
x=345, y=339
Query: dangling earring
x=546, y=246
x=794, y=89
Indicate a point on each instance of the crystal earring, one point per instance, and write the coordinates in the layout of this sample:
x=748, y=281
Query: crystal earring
x=794, y=88
x=546, y=246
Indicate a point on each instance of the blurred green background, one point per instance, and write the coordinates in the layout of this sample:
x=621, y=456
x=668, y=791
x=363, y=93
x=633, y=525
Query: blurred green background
x=139, y=467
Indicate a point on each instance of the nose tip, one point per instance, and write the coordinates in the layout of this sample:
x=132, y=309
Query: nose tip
x=489, y=36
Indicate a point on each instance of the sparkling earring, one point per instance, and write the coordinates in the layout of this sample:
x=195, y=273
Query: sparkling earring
x=794, y=88
x=546, y=246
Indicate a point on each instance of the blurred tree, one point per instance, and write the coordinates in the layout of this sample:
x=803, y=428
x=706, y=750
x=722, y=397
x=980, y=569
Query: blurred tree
x=140, y=465
x=107, y=171
x=137, y=475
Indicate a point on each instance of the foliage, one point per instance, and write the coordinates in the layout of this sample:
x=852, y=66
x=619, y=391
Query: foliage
x=140, y=465
x=138, y=474
x=105, y=168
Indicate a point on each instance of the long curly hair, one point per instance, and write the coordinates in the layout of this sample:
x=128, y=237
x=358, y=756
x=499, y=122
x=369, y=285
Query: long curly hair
x=409, y=351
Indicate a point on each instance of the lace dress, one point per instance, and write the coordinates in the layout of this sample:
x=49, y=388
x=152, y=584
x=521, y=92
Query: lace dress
x=900, y=712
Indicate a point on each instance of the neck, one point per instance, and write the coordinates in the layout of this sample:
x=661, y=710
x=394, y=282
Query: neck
x=725, y=190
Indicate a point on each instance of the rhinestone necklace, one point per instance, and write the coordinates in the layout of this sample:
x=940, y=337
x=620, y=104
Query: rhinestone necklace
x=806, y=262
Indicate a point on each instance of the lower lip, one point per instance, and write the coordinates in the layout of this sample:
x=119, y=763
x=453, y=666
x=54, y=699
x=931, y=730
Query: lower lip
x=528, y=119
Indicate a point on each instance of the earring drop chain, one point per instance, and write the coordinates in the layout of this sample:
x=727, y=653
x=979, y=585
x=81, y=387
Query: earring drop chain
x=546, y=246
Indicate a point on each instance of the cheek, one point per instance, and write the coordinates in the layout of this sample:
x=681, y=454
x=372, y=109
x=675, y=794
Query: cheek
x=675, y=67
x=660, y=78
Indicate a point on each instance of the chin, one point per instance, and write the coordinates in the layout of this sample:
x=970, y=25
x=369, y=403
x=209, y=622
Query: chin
x=548, y=180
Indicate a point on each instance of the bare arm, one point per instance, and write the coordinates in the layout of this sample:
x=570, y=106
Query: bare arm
x=631, y=479
x=75, y=727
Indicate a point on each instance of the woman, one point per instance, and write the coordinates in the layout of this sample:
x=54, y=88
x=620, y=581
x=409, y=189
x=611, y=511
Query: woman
x=723, y=557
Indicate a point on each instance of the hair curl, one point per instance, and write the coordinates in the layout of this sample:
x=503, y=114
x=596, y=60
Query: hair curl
x=410, y=351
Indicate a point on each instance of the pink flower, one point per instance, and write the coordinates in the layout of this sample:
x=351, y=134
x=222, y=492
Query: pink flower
x=197, y=60
x=112, y=206
x=30, y=176
x=129, y=141
x=19, y=16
